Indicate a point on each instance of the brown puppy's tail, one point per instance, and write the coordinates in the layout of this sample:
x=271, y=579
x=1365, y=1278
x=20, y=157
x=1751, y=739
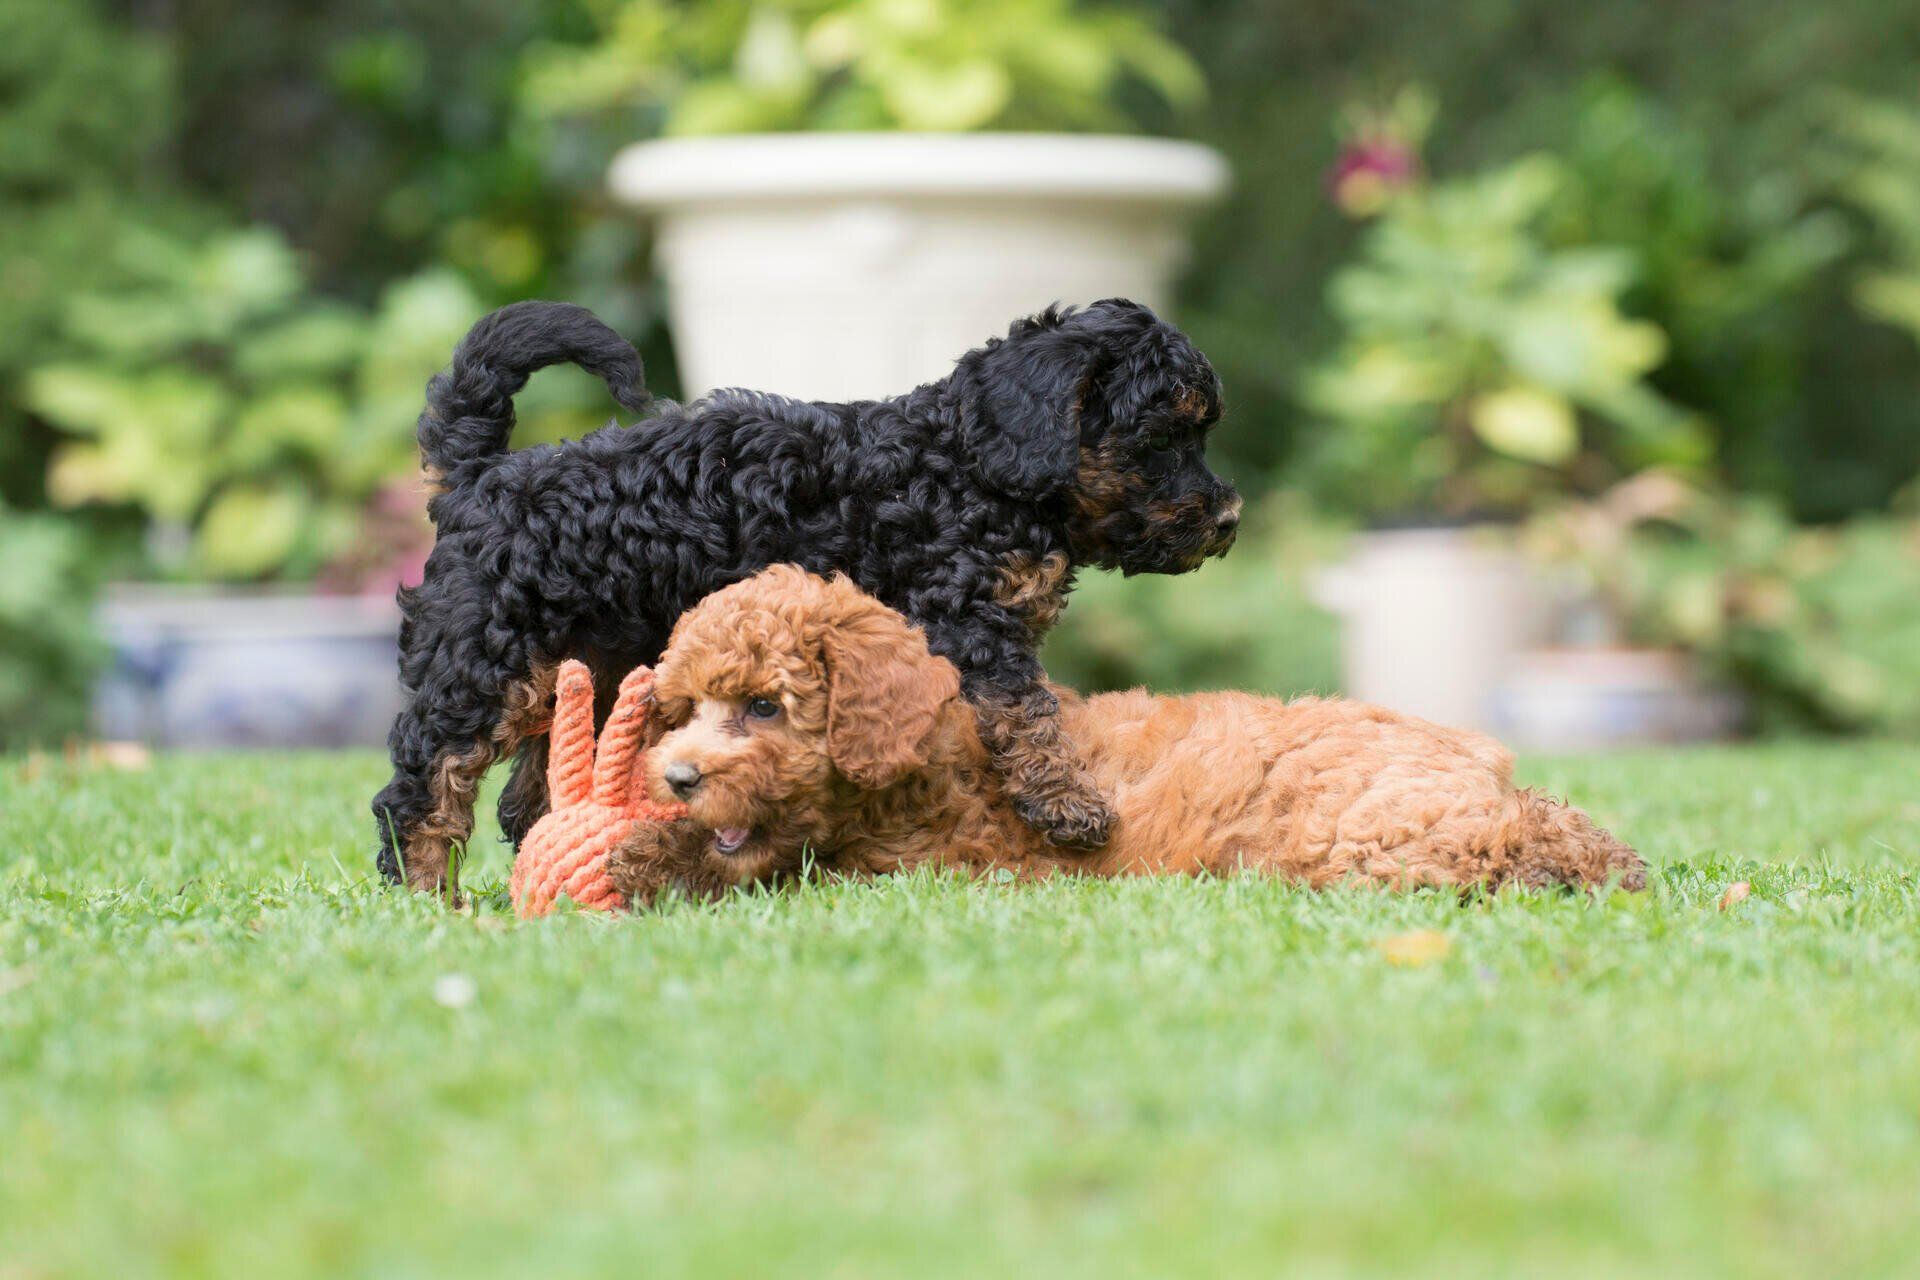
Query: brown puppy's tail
x=1547, y=842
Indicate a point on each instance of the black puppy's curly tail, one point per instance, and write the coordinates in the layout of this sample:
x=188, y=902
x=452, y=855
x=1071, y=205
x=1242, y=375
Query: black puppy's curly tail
x=469, y=414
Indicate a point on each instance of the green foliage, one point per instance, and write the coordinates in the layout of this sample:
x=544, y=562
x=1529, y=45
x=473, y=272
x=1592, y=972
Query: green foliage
x=1727, y=271
x=225, y=1054
x=740, y=66
x=48, y=652
x=1806, y=400
x=86, y=105
x=1820, y=626
x=1483, y=368
x=215, y=393
x=389, y=144
x=1682, y=341
x=1244, y=622
x=1879, y=151
x=383, y=137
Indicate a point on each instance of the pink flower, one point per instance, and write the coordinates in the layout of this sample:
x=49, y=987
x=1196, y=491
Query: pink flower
x=1369, y=171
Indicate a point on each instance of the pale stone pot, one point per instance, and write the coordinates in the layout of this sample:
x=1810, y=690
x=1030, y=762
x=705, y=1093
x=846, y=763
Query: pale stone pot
x=1450, y=624
x=1433, y=619
x=205, y=667
x=852, y=266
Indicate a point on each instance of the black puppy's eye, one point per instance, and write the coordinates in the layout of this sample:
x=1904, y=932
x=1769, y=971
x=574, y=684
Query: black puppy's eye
x=1160, y=443
x=762, y=708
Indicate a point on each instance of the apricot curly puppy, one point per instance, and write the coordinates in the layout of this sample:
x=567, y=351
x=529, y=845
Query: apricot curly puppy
x=814, y=727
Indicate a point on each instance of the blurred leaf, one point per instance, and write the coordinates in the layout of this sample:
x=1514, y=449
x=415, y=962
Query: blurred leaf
x=245, y=274
x=727, y=106
x=79, y=398
x=249, y=530
x=1527, y=423
x=311, y=419
x=1892, y=297
x=411, y=337
x=40, y=553
x=322, y=338
x=769, y=56
x=147, y=324
x=964, y=96
x=1172, y=72
x=1575, y=344
x=741, y=65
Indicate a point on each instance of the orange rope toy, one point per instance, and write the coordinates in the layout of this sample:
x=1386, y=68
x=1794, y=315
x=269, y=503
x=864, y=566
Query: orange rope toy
x=596, y=799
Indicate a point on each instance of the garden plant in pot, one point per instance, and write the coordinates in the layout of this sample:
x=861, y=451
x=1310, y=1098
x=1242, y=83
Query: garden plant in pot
x=1818, y=627
x=257, y=433
x=1516, y=341
x=897, y=186
x=1482, y=373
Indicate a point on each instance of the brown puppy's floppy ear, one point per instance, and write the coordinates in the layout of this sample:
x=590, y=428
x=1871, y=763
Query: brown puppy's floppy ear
x=885, y=691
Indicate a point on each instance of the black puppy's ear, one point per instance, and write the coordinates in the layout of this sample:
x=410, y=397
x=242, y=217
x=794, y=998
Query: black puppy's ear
x=1022, y=424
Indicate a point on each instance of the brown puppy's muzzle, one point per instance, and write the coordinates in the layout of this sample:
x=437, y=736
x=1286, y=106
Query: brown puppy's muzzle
x=708, y=773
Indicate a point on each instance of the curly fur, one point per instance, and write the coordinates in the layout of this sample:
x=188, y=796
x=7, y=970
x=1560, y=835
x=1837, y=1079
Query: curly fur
x=968, y=504
x=1319, y=790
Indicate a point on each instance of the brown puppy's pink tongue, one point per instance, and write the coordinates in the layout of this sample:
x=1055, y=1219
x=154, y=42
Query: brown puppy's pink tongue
x=729, y=838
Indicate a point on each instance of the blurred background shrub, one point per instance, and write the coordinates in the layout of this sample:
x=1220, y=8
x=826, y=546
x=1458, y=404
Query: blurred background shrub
x=251, y=420
x=1246, y=622
x=746, y=66
x=1820, y=625
x=1878, y=160
x=1486, y=257
x=48, y=652
x=1481, y=368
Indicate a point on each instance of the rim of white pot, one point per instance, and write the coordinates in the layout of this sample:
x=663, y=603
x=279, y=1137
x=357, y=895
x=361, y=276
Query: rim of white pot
x=785, y=166
x=241, y=612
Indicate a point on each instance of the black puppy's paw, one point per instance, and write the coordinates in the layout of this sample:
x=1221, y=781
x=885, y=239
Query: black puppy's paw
x=1072, y=816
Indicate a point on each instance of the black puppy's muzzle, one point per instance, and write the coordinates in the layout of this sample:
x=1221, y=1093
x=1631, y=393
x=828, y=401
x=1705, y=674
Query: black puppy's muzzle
x=1226, y=525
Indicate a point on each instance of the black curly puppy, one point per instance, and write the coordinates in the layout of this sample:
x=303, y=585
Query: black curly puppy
x=967, y=504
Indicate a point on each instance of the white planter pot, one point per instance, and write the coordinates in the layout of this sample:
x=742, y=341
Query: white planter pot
x=1602, y=698
x=202, y=667
x=1433, y=619
x=849, y=266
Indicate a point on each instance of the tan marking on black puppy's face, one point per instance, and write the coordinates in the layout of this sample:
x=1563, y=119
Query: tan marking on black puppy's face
x=1145, y=500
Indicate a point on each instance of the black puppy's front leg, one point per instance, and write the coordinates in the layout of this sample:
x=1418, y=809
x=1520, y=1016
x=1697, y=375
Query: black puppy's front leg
x=1051, y=790
x=1019, y=721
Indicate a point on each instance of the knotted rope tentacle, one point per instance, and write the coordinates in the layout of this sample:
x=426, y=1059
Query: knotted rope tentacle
x=570, y=741
x=614, y=781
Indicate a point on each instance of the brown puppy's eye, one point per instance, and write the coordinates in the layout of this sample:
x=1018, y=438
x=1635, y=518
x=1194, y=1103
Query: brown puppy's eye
x=762, y=708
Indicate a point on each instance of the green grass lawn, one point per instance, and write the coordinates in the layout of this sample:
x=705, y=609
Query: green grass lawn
x=224, y=1051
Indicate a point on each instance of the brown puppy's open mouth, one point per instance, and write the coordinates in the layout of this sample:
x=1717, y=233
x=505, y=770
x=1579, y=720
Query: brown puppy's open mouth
x=729, y=839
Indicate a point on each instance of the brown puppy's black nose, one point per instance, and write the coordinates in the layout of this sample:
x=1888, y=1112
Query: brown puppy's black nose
x=683, y=777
